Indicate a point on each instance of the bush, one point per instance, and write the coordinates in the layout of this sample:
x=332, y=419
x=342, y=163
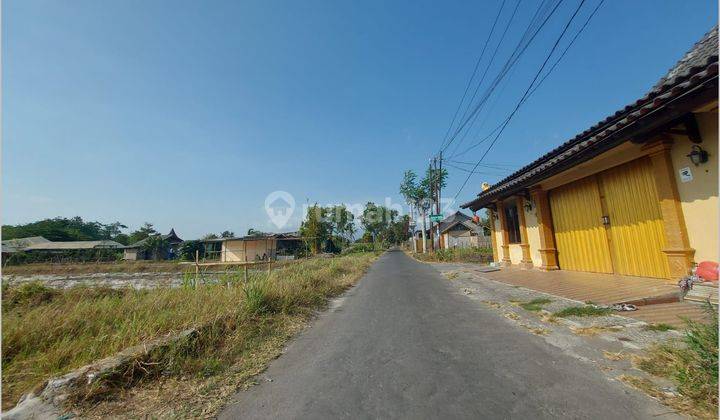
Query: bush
x=27, y=294
x=583, y=311
x=473, y=254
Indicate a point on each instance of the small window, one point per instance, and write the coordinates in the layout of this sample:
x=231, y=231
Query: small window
x=513, y=224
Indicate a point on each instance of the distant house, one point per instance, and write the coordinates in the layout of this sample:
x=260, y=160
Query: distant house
x=137, y=250
x=262, y=247
x=459, y=231
x=11, y=246
x=38, y=243
x=73, y=245
x=37, y=248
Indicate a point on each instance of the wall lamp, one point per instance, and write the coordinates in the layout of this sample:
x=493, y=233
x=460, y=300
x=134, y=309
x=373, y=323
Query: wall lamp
x=529, y=205
x=698, y=155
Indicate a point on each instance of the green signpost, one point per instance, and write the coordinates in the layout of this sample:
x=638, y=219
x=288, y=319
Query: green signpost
x=436, y=217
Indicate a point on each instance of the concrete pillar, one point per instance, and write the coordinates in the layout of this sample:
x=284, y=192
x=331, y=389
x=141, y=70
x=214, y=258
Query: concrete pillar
x=677, y=246
x=504, y=232
x=526, y=261
x=548, y=252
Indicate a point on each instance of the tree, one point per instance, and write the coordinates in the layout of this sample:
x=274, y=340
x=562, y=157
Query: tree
x=188, y=248
x=64, y=229
x=156, y=246
x=145, y=231
x=227, y=234
x=376, y=220
x=210, y=236
x=418, y=194
x=255, y=232
x=315, y=229
x=342, y=223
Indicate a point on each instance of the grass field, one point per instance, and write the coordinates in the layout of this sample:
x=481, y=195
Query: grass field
x=49, y=332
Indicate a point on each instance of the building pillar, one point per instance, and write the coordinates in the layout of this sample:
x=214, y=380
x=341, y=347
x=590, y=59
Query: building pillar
x=504, y=233
x=548, y=252
x=677, y=246
x=493, y=238
x=526, y=261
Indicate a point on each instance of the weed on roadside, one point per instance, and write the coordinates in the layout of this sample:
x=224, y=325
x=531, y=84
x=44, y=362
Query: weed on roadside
x=658, y=327
x=535, y=305
x=583, y=311
x=692, y=361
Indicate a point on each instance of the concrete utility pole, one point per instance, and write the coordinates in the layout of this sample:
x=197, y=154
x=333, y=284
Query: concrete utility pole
x=439, y=187
x=424, y=239
x=432, y=198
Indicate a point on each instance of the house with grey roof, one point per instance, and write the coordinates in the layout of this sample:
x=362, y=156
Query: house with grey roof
x=139, y=251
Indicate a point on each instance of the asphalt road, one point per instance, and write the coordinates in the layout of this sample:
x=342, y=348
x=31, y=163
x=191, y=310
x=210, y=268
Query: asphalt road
x=404, y=344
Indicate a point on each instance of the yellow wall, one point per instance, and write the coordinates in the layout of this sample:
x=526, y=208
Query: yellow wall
x=499, y=240
x=235, y=250
x=515, y=253
x=699, y=197
x=533, y=236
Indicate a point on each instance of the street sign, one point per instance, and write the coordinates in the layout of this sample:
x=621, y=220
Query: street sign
x=436, y=217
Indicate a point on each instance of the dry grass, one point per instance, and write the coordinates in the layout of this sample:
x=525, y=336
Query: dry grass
x=615, y=356
x=691, y=362
x=99, y=267
x=451, y=275
x=594, y=330
x=68, y=329
x=678, y=402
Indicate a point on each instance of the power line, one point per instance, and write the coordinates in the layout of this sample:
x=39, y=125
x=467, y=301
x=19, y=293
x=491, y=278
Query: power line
x=472, y=77
x=512, y=60
x=527, y=91
x=470, y=171
x=492, y=58
x=550, y=70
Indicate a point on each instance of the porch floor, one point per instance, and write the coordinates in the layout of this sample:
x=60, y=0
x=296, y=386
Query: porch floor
x=605, y=289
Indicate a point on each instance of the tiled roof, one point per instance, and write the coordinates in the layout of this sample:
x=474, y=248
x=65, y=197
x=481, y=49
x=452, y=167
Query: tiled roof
x=694, y=71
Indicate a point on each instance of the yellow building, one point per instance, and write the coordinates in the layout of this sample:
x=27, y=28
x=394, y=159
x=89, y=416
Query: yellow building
x=636, y=194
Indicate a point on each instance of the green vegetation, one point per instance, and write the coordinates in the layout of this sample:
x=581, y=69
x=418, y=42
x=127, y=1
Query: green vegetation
x=473, y=255
x=46, y=332
x=658, y=327
x=583, y=311
x=64, y=229
x=692, y=362
x=535, y=305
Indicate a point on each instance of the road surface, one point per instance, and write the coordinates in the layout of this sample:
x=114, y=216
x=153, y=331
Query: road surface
x=404, y=344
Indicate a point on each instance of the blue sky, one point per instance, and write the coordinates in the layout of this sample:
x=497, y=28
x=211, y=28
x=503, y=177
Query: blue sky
x=187, y=114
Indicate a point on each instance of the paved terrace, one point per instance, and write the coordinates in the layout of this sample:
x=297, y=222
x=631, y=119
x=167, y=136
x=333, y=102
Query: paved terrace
x=603, y=289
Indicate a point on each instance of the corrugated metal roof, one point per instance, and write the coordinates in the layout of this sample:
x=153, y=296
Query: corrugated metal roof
x=697, y=67
x=70, y=245
x=171, y=236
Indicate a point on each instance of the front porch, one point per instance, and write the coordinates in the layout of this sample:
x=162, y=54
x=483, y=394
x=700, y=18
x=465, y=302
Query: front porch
x=606, y=289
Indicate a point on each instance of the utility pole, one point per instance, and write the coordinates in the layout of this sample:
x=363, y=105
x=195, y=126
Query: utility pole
x=432, y=198
x=439, y=187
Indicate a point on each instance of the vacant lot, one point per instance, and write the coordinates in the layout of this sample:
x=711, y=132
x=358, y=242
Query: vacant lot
x=99, y=267
x=48, y=332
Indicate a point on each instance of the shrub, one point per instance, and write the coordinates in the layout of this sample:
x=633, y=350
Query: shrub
x=583, y=311
x=535, y=305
